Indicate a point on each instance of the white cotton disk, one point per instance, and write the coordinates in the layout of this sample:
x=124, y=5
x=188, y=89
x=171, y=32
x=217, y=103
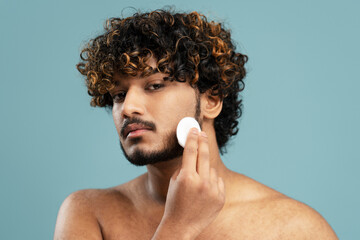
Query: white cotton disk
x=184, y=127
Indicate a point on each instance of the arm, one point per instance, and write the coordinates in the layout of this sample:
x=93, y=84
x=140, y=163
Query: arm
x=76, y=220
x=195, y=195
x=168, y=231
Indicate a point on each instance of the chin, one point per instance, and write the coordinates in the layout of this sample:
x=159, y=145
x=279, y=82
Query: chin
x=140, y=157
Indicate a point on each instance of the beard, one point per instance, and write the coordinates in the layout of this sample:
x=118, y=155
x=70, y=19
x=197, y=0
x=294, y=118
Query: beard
x=170, y=150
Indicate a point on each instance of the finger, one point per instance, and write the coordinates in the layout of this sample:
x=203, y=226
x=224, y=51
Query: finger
x=190, y=151
x=213, y=177
x=203, y=161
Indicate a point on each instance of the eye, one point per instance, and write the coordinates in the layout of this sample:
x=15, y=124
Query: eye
x=155, y=86
x=119, y=97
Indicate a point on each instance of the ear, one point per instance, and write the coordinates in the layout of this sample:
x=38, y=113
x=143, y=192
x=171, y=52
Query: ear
x=211, y=106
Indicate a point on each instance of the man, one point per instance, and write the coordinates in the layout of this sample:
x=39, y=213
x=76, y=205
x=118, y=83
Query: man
x=153, y=69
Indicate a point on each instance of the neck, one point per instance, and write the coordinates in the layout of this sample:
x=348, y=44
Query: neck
x=158, y=178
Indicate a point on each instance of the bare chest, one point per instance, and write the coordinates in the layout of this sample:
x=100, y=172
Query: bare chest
x=140, y=229
x=135, y=226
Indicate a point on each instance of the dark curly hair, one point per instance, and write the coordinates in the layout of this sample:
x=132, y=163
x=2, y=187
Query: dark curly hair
x=187, y=47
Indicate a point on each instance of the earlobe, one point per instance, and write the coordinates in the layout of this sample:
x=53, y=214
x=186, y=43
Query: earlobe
x=211, y=105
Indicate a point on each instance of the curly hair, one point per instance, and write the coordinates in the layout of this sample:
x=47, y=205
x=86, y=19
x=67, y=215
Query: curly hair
x=187, y=47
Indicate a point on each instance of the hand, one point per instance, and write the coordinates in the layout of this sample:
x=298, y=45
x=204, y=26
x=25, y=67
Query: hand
x=195, y=194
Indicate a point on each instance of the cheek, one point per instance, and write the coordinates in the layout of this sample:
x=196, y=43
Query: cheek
x=185, y=104
x=116, y=119
x=175, y=108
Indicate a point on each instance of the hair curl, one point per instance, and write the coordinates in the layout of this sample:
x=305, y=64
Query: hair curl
x=186, y=46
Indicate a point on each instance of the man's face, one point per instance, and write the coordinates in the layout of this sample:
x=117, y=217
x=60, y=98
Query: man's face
x=146, y=112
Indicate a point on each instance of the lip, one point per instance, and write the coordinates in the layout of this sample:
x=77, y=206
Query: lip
x=135, y=130
x=137, y=133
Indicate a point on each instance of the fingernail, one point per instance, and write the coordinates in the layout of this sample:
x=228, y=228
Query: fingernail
x=194, y=131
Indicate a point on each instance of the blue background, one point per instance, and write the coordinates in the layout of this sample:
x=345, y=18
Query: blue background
x=299, y=133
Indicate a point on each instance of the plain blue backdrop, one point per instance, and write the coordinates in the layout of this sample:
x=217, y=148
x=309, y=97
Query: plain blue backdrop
x=299, y=133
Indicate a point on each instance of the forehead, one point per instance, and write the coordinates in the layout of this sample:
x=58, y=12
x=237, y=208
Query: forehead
x=119, y=77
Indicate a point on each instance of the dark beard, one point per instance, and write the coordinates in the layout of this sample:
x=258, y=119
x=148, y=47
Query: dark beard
x=171, y=148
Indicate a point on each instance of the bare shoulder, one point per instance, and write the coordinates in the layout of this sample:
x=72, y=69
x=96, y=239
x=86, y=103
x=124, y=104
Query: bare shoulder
x=284, y=217
x=81, y=212
x=76, y=218
x=299, y=221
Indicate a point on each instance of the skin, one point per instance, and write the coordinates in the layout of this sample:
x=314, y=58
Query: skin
x=194, y=196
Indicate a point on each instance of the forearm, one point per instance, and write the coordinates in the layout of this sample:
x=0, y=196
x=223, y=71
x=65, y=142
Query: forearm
x=166, y=231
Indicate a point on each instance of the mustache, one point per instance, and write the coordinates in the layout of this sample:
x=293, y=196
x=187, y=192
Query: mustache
x=138, y=121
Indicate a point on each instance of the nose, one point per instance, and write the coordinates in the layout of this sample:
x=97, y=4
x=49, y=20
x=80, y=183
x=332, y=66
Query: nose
x=133, y=104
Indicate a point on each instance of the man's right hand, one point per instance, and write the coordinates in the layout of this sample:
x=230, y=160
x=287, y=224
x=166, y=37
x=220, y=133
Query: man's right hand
x=195, y=195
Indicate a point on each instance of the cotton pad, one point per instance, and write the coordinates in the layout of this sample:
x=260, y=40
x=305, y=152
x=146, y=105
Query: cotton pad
x=184, y=127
